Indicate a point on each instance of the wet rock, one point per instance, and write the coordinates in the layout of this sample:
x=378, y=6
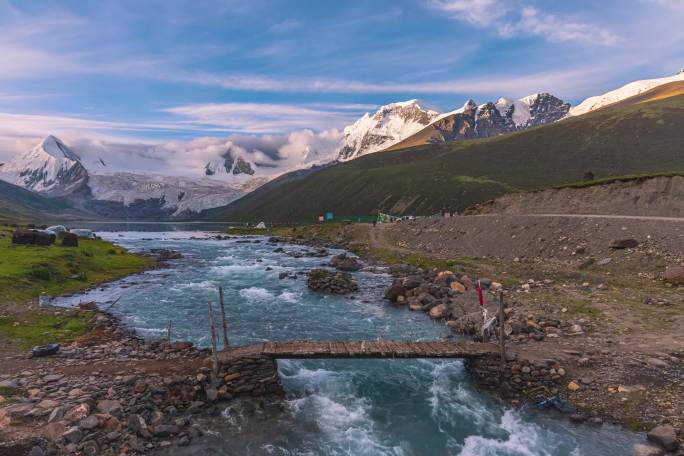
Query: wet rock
x=665, y=436
x=439, y=311
x=166, y=254
x=394, y=291
x=331, y=282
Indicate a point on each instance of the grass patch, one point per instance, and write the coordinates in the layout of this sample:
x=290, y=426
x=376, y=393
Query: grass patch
x=38, y=328
x=28, y=271
x=612, y=180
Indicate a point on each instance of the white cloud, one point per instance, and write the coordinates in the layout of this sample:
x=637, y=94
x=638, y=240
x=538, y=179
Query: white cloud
x=509, y=20
x=478, y=12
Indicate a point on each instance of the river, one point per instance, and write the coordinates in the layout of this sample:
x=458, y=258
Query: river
x=340, y=407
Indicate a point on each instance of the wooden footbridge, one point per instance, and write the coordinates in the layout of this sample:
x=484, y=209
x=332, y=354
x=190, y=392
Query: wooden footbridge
x=360, y=349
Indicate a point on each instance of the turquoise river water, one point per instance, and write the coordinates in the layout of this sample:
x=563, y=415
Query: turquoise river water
x=340, y=407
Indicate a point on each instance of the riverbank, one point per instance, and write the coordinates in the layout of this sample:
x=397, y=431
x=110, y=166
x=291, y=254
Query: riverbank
x=578, y=302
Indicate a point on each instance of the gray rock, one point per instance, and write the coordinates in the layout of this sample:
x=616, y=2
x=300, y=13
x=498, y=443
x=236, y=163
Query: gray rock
x=165, y=430
x=89, y=422
x=57, y=414
x=604, y=261
x=212, y=394
x=36, y=451
x=109, y=406
x=73, y=434
x=665, y=436
x=655, y=362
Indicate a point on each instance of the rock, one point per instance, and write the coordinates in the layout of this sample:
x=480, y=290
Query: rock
x=56, y=415
x=394, y=291
x=88, y=423
x=165, y=430
x=439, y=311
x=33, y=237
x=111, y=424
x=619, y=244
x=54, y=431
x=665, y=436
x=655, y=362
x=77, y=413
x=572, y=386
x=137, y=424
x=73, y=435
x=457, y=287
x=111, y=436
x=36, y=451
x=604, y=261
x=412, y=282
x=343, y=262
x=109, y=406
x=674, y=275
x=331, y=282
x=578, y=418
x=647, y=450
x=139, y=387
x=53, y=378
x=212, y=394
x=47, y=404
x=69, y=239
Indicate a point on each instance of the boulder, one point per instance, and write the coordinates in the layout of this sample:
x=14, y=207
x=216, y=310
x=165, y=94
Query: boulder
x=73, y=435
x=394, y=291
x=665, y=436
x=674, y=275
x=343, y=262
x=331, y=282
x=33, y=237
x=69, y=240
x=619, y=244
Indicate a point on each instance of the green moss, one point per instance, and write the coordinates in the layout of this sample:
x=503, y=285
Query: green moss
x=39, y=328
x=27, y=271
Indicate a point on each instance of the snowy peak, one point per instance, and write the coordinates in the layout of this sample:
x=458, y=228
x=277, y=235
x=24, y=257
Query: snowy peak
x=627, y=91
x=230, y=162
x=51, y=168
x=389, y=125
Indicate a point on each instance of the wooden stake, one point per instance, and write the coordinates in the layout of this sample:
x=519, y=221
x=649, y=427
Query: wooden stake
x=223, y=320
x=214, y=354
x=502, y=333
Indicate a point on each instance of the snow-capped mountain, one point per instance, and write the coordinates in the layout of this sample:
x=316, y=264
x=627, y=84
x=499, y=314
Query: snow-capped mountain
x=174, y=196
x=389, y=125
x=489, y=119
x=627, y=91
x=53, y=169
x=50, y=168
x=230, y=163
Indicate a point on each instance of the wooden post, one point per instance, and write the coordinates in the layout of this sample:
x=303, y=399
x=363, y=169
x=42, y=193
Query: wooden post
x=223, y=320
x=168, y=331
x=214, y=354
x=502, y=333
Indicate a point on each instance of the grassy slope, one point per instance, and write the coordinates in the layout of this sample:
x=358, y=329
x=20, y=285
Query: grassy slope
x=27, y=271
x=641, y=139
x=19, y=204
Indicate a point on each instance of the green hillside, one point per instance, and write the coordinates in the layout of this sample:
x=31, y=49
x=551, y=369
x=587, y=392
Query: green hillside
x=18, y=204
x=640, y=139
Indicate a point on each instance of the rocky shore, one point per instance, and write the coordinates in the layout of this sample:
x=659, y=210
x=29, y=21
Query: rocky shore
x=113, y=392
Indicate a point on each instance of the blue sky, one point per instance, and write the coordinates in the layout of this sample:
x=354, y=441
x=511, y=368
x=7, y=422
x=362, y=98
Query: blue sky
x=156, y=71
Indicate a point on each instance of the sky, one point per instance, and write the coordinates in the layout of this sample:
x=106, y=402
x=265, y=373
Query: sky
x=134, y=75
